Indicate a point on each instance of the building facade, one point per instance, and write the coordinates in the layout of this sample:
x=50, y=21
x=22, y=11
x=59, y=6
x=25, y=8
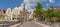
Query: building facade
x=55, y=8
x=2, y=12
x=8, y=14
x=15, y=13
x=12, y=14
x=24, y=13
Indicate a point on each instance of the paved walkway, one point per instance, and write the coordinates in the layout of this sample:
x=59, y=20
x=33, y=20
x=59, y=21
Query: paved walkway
x=29, y=24
x=15, y=25
x=42, y=25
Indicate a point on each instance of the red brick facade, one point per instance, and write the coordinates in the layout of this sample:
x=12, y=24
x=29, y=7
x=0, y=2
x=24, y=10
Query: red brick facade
x=2, y=12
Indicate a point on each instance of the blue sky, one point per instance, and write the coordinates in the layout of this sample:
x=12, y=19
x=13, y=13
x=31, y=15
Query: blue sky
x=4, y=4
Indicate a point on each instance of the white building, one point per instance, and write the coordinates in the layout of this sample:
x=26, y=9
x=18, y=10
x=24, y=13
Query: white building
x=12, y=14
x=8, y=14
x=31, y=16
x=15, y=13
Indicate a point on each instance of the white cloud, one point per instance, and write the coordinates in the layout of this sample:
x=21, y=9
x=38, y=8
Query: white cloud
x=31, y=1
x=44, y=0
x=21, y=7
x=51, y=1
x=30, y=4
x=47, y=4
x=44, y=9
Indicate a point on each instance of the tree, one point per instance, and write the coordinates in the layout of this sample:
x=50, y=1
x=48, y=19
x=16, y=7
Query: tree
x=1, y=16
x=48, y=15
x=57, y=15
x=52, y=16
x=37, y=10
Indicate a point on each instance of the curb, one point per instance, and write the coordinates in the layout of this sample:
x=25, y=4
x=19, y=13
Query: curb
x=43, y=25
x=15, y=25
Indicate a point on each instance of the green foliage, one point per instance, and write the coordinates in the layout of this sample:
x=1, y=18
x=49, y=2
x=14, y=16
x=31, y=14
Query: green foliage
x=47, y=14
x=53, y=15
x=1, y=16
x=38, y=8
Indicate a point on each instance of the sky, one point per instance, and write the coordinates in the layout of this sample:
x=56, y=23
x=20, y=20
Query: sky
x=4, y=4
x=29, y=4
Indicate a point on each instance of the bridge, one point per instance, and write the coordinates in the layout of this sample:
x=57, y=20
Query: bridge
x=27, y=24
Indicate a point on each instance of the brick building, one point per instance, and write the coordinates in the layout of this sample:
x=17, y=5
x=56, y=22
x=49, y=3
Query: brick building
x=2, y=12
